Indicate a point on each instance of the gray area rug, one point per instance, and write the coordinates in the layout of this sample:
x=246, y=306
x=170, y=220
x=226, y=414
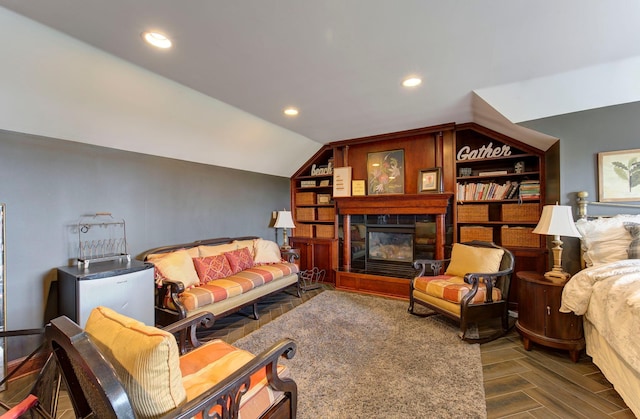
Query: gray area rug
x=361, y=356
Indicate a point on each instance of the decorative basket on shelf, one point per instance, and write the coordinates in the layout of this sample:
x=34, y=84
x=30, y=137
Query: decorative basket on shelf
x=520, y=212
x=473, y=213
x=469, y=233
x=519, y=237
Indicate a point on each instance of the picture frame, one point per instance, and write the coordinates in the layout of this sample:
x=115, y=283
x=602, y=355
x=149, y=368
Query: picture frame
x=430, y=180
x=385, y=172
x=619, y=175
x=358, y=187
x=342, y=181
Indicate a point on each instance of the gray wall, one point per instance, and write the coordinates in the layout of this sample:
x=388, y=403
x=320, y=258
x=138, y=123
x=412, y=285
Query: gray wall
x=48, y=184
x=582, y=136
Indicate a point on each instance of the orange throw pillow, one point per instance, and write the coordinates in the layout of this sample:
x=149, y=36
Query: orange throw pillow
x=212, y=267
x=239, y=260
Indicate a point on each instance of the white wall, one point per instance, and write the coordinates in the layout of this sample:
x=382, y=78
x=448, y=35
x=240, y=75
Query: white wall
x=55, y=86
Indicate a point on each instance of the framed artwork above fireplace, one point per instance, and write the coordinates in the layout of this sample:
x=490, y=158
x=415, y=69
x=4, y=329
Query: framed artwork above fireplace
x=385, y=172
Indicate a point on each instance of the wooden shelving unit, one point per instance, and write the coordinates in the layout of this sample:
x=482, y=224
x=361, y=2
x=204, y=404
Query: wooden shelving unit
x=485, y=158
x=314, y=214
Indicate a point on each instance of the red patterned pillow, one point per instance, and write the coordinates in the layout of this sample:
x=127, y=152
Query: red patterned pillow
x=239, y=260
x=212, y=267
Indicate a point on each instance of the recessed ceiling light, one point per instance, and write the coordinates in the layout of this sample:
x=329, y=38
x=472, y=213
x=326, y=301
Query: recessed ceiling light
x=291, y=112
x=411, y=82
x=157, y=39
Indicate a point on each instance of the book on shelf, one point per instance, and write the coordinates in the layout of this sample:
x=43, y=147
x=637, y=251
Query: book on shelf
x=486, y=191
x=513, y=189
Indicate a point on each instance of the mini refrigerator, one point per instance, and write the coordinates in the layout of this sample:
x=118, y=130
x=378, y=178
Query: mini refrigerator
x=126, y=286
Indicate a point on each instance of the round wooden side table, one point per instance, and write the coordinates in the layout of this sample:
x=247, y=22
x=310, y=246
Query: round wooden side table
x=539, y=318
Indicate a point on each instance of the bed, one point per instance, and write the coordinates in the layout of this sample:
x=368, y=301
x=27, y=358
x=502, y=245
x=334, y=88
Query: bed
x=607, y=293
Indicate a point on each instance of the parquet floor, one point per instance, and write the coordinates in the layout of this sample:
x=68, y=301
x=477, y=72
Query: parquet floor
x=541, y=383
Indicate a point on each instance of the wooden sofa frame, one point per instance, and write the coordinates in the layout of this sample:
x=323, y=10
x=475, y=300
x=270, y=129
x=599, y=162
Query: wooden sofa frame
x=165, y=315
x=95, y=390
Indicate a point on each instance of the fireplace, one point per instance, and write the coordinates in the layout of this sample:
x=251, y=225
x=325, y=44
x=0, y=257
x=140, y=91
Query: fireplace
x=389, y=251
x=400, y=225
x=390, y=244
x=387, y=244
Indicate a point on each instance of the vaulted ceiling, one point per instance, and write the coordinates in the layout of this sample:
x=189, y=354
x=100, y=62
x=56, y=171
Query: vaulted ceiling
x=341, y=63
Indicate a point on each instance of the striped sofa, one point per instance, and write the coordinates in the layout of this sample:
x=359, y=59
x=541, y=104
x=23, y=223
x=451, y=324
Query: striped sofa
x=219, y=276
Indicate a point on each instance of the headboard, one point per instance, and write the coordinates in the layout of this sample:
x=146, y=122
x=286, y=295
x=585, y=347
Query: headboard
x=583, y=203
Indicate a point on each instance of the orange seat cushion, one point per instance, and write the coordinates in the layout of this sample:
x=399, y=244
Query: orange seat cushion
x=210, y=363
x=452, y=288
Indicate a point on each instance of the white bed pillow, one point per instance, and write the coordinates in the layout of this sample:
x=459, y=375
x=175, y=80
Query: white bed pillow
x=605, y=240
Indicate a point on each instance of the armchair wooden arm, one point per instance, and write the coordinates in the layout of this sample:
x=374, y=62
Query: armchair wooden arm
x=185, y=329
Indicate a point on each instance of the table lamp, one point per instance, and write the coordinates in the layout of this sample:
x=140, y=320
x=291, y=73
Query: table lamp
x=284, y=221
x=557, y=220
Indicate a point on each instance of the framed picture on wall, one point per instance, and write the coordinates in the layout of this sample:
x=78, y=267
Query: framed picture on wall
x=385, y=172
x=619, y=175
x=430, y=180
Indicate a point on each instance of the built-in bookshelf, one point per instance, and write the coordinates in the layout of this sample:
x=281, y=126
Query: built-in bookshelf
x=499, y=193
x=314, y=214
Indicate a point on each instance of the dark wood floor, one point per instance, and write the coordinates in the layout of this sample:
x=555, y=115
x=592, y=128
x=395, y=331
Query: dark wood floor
x=541, y=383
x=545, y=383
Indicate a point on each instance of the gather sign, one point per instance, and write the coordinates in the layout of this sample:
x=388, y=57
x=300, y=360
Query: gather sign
x=484, y=152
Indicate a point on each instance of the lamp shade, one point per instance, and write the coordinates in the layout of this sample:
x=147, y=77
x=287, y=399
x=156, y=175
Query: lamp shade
x=557, y=220
x=284, y=220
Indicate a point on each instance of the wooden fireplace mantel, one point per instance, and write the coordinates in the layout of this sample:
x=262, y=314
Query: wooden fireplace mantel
x=394, y=204
x=430, y=204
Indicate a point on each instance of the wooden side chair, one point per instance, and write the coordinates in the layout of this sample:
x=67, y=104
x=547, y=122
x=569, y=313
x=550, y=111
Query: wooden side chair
x=474, y=287
x=120, y=368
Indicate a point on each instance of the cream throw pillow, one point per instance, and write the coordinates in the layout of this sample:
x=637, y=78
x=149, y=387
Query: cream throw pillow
x=217, y=249
x=146, y=360
x=267, y=251
x=192, y=251
x=468, y=259
x=178, y=266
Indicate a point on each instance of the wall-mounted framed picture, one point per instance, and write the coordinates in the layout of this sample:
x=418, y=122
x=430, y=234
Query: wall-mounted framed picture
x=430, y=180
x=358, y=187
x=385, y=172
x=619, y=175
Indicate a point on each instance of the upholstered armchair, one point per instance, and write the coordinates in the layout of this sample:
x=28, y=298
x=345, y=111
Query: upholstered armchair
x=470, y=287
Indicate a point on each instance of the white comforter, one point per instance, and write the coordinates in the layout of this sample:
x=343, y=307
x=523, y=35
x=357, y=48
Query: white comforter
x=609, y=297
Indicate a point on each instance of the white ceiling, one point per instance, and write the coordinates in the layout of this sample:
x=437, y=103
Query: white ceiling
x=341, y=62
